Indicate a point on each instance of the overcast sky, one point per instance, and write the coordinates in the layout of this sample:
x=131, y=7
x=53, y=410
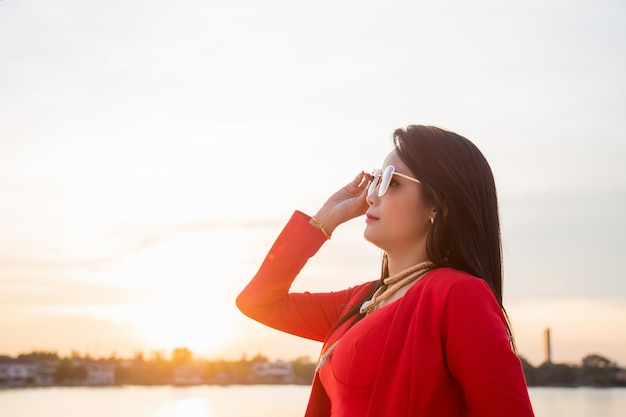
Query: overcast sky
x=151, y=151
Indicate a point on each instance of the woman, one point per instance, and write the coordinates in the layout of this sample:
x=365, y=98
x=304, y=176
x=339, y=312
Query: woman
x=430, y=338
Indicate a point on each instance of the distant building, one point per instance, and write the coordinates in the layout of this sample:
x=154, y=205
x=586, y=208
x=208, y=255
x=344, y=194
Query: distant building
x=187, y=374
x=547, y=346
x=274, y=372
x=46, y=373
x=14, y=373
x=100, y=372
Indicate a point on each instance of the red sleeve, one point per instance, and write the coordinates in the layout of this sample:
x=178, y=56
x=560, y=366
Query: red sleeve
x=266, y=298
x=479, y=354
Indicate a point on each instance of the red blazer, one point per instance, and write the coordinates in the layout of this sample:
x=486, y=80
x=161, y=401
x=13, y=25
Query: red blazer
x=447, y=353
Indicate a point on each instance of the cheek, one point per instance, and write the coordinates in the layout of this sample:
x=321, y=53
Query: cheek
x=415, y=215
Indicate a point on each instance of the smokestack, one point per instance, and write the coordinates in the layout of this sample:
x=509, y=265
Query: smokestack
x=547, y=346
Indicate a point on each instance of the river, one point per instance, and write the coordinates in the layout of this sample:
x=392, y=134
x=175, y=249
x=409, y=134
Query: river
x=251, y=401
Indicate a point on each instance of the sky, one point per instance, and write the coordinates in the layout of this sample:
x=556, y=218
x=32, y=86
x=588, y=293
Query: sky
x=150, y=153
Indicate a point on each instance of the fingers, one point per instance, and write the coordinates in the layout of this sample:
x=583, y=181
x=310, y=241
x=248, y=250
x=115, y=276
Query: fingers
x=360, y=203
x=346, y=203
x=361, y=180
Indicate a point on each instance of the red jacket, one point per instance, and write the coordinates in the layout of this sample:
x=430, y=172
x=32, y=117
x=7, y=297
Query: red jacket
x=446, y=352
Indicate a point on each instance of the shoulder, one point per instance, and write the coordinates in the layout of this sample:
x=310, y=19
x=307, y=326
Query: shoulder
x=451, y=279
x=448, y=284
x=464, y=296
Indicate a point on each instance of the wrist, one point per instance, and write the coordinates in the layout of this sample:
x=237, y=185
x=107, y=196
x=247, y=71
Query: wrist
x=318, y=223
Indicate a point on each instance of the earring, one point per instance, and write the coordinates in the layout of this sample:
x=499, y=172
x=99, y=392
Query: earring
x=432, y=220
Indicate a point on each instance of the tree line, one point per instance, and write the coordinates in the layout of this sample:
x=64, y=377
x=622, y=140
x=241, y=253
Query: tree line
x=594, y=370
x=157, y=369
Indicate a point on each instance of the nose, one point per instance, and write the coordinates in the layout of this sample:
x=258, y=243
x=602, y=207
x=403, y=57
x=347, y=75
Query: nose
x=369, y=198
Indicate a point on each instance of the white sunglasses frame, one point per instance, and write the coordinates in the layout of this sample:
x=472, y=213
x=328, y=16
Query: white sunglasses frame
x=382, y=179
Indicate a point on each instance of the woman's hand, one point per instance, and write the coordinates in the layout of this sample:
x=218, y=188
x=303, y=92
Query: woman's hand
x=347, y=203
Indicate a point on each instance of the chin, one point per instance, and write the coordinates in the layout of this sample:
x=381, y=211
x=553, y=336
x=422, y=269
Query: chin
x=370, y=236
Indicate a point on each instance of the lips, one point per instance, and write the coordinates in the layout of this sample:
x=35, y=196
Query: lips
x=369, y=217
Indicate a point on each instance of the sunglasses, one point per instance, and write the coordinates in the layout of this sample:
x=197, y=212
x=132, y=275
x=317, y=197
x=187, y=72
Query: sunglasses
x=382, y=179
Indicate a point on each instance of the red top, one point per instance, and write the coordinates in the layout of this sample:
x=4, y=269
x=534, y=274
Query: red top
x=349, y=374
x=440, y=350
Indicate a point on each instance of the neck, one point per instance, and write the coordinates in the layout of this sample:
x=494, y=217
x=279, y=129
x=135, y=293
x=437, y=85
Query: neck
x=397, y=264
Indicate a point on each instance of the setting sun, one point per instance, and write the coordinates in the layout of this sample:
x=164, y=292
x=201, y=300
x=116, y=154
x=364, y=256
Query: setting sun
x=196, y=321
x=182, y=284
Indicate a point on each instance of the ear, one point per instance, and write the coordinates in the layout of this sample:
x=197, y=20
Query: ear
x=433, y=215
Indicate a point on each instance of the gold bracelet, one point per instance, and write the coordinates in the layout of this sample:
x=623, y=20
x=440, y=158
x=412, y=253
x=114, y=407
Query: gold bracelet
x=319, y=226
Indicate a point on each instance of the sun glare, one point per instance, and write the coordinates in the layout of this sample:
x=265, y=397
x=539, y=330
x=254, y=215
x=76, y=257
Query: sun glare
x=203, y=324
x=186, y=407
x=192, y=407
x=188, y=281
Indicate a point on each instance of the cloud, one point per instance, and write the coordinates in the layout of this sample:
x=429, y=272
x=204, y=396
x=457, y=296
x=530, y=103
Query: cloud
x=44, y=292
x=63, y=334
x=112, y=245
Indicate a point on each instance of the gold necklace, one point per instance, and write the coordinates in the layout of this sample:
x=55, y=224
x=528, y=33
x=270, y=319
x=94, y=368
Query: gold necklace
x=393, y=283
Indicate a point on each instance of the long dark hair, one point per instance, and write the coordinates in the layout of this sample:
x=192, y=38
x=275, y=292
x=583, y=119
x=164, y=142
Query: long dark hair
x=457, y=180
